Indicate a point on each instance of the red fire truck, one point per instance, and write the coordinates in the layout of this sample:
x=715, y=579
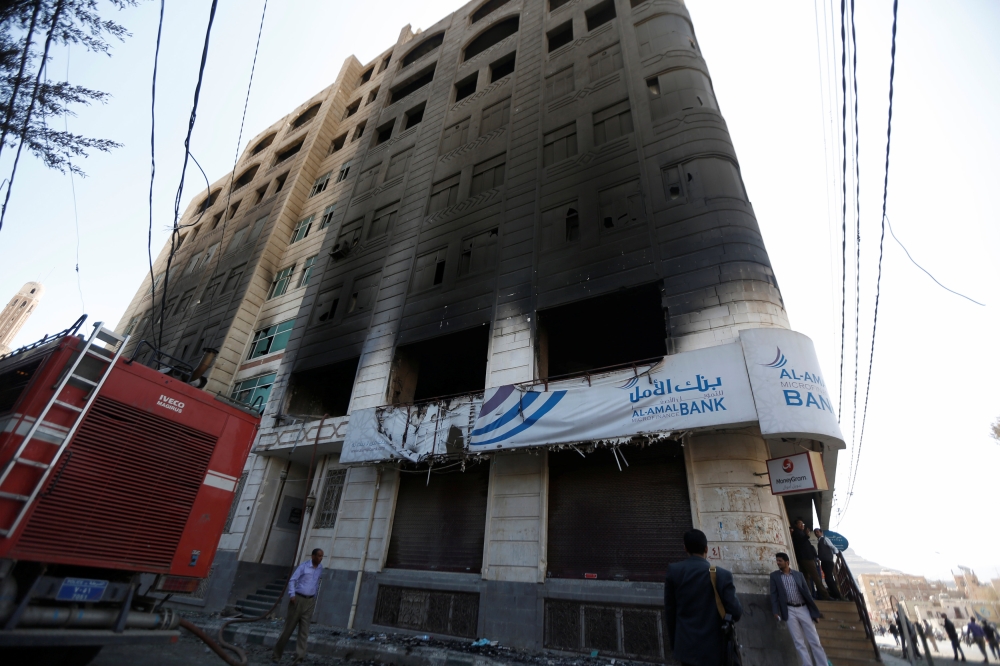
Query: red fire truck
x=116, y=481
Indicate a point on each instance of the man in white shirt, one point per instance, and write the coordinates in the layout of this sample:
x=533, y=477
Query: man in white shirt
x=302, y=589
x=791, y=602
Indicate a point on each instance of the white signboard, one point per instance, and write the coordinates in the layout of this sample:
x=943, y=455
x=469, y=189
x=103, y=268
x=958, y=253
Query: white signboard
x=412, y=432
x=707, y=387
x=788, y=387
x=802, y=472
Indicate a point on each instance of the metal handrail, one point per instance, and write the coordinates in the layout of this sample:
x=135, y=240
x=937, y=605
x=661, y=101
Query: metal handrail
x=48, y=338
x=183, y=370
x=849, y=589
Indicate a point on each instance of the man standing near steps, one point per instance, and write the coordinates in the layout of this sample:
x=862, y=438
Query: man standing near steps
x=827, y=560
x=792, y=603
x=302, y=588
x=806, y=555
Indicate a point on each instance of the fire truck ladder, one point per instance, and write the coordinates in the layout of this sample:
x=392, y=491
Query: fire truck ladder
x=100, y=334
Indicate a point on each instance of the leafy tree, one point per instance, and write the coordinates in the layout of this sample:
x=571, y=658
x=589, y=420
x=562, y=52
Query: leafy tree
x=29, y=31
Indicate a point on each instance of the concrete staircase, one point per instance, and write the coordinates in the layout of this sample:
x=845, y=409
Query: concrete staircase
x=842, y=634
x=263, y=599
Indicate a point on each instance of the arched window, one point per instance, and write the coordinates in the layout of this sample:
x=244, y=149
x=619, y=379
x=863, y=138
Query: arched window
x=491, y=36
x=209, y=200
x=264, y=143
x=306, y=116
x=487, y=9
x=423, y=49
x=246, y=177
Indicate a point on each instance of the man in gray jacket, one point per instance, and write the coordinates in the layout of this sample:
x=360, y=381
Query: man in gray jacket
x=827, y=554
x=792, y=603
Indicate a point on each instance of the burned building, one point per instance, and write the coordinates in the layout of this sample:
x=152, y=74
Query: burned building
x=529, y=197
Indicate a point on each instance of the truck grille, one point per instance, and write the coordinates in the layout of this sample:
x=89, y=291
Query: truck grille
x=111, y=501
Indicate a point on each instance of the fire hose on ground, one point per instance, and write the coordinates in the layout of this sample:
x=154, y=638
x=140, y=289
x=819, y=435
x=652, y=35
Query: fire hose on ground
x=219, y=645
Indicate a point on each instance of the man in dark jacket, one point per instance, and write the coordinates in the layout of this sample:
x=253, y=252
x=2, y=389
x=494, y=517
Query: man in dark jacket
x=792, y=603
x=827, y=560
x=956, y=645
x=692, y=615
x=806, y=555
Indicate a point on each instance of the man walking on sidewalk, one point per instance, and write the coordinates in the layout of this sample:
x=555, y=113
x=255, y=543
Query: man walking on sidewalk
x=806, y=555
x=956, y=645
x=978, y=637
x=792, y=603
x=302, y=588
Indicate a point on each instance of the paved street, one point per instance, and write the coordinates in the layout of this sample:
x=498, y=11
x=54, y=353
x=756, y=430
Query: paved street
x=943, y=655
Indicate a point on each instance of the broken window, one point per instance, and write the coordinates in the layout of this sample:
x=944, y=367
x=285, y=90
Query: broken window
x=363, y=293
x=422, y=49
x=326, y=305
x=456, y=135
x=352, y=108
x=288, y=152
x=306, y=116
x=479, y=253
x=600, y=14
x=307, y=270
x=367, y=179
x=411, y=85
x=326, y=390
x=606, y=61
x=327, y=218
x=270, y=339
x=280, y=180
x=673, y=187
x=398, y=164
x=382, y=222
x=358, y=131
x=502, y=68
x=367, y=76
x=559, y=144
x=429, y=270
x=258, y=226
x=621, y=205
x=680, y=90
x=192, y=264
x=338, y=143
x=712, y=178
x=329, y=504
x=560, y=35
x=210, y=254
x=559, y=84
x=348, y=238
x=612, y=122
x=486, y=9
x=320, y=184
x=264, y=143
x=185, y=301
x=666, y=32
x=384, y=133
x=237, y=239
x=488, y=175
x=301, y=229
x=447, y=365
x=414, y=116
x=632, y=326
x=444, y=194
x=254, y=392
x=233, y=280
x=280, y=283
x=466, y=86
x=372, y=95
x=560, y=225
x=345, y=169
x=495, y=117
x=492, y=35
x=245, y=177
x=653, y=85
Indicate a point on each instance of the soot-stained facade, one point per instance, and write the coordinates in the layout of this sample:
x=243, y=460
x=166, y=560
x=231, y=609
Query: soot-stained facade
x=524, y=191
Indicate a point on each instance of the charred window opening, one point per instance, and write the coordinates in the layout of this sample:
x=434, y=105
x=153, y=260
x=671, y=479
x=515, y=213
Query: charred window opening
x=423, y=49
x=14, y=382
x=621, y=327
x=487, y=9
x=325, y=390
x=644, y=510
x=491, y=36
x=306, y=116
x=440, y=524
x=412, y=85
x=560, y=36
x=600, y=14
x=447, y=365
x=264, y=143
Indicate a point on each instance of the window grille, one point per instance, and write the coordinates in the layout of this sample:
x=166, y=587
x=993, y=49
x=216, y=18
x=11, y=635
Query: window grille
x=333, y=489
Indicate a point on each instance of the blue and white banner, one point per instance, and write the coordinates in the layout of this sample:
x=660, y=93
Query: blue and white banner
x=692, y=390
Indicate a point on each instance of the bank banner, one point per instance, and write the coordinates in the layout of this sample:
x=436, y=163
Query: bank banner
x=412, y=432
x=788, y=387
x=707, y=387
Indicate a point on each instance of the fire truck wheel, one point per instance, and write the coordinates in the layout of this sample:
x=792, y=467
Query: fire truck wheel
x=79, y=655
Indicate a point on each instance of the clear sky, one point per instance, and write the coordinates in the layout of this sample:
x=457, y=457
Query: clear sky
x=926, y=496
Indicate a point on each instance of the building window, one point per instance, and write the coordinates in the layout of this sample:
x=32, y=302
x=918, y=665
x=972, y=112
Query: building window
x=559, y=145
x=192, y=264
x=327, y=218
x=287, y=153
x=398, y=164
x=606, y=62
x=384, y=133
x=320, y=185
x=350, y=235
x=326, y=306
x=338, y=143
x=495, y=117
x=384, y=220
x=560, y=36
x=367, y=179
x=444, y=194
x=423, y=49
x=412, y=85
x=245, y=178
x=254, y=392
x=232, y=209
x=333, y=489
x=414, y=116
x=620, y=205
x=666, y=32
x=612, y=122
x=216, y=219
x=307, y=269
x=345, y=169
x=358, y=131
x=487, y=9
x=233, y=280
x=556, y=4
x=429, y=271
x=367, y=76
x=258, y=226
x=306, y=116
x=466, y=86
x=501, y=68
x=372, y=95
x=264, y=143
x=560, y=225
x=455, y=136
x=488, y=175
x=352, y=108
x=301, y=229
x=280, y=180
x=209, y=254
x=559, y=84
x=385, y=64
x=479, y=253
x=271, y=339
x=600, y=14
x=131, y=326
x=492, y=35
x=363, y=294
x=280, y=283
x=258, y=196
x=572, y=225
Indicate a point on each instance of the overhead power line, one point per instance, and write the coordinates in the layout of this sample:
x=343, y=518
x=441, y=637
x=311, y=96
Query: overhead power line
x=893, y=233
x=152, y=159
x=843, y=243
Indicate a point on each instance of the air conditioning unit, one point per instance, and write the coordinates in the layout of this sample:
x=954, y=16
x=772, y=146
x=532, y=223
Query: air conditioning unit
x=340, y=250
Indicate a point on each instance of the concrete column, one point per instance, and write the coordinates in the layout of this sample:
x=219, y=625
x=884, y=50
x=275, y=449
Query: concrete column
x=352, y=520
x=516, y=519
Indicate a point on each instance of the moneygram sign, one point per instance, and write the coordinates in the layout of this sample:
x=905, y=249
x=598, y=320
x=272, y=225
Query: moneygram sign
x=799, y=473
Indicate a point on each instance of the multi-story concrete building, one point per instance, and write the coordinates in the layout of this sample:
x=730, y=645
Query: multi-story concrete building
x=15, y=314
x=529, y=193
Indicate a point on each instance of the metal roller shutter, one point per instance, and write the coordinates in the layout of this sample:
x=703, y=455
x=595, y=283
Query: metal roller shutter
x=626, y=525
x=440, y=526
